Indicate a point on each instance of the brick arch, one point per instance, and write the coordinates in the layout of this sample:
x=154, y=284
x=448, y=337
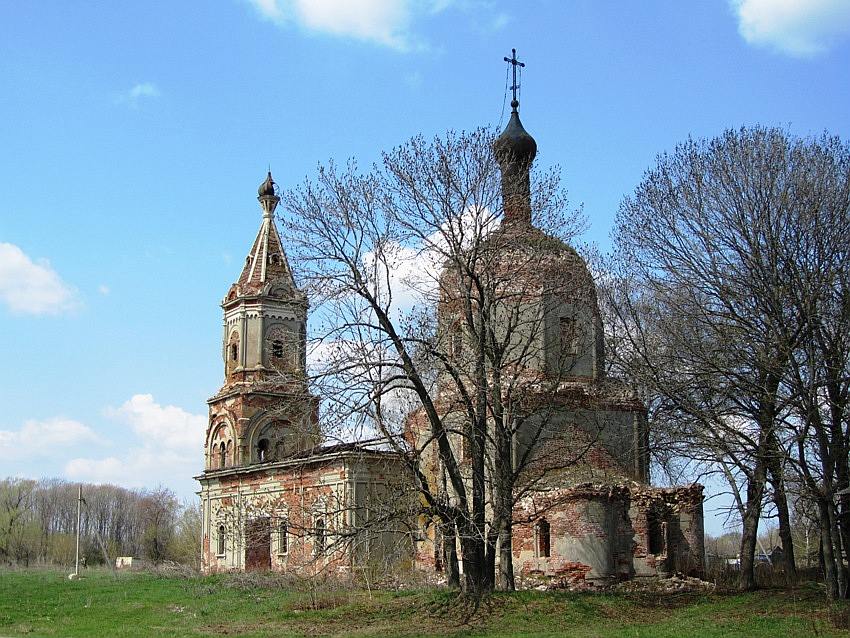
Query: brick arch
x=276, y=430
x=222, y=433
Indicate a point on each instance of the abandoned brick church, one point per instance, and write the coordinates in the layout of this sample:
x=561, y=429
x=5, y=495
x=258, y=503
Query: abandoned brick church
x=275, y=496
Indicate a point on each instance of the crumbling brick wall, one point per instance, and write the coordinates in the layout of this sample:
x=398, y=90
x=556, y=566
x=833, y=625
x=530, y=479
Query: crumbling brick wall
x=668, y=530
x=324, y=506
x=589, y=534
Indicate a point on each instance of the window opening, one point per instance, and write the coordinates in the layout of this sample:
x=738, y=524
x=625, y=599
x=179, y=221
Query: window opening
x=457, y=342
x=263, y=450
x=655, y=532
x=277, y=348
x=221, y=540
x=568, y=336
x=541, y=538
x=283, y=540
x=222, y=459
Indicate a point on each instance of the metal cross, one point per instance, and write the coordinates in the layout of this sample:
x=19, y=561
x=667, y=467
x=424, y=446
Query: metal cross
x=515, y=63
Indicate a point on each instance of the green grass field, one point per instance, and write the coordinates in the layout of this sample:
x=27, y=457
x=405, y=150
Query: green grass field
x=45, y=603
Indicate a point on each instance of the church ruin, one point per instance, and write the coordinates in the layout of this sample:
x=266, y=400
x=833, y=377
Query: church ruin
x=276, y=496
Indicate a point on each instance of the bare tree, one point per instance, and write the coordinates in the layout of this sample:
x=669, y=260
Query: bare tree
x=703, y=292
x=817, y=271
x=442, y=359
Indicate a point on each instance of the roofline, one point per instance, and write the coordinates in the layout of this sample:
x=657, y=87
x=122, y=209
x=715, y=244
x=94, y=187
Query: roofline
x=236, y=391
x=306, y=460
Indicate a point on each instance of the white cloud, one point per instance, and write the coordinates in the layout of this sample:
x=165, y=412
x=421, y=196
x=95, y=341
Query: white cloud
x=44, y=438
x=169, y=447
x=164, y=427
x=385, y=22
x=103, y=289
x=137, y=93
x=796, y=27
x=32, y=287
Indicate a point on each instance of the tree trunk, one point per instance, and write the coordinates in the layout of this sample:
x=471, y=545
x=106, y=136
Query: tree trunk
x=830, y=575
x=490, y=555
x=837, y=552
x=749, y=535
x=789, y=563
x=450, y=556
x=472, y=548
x=506, y=580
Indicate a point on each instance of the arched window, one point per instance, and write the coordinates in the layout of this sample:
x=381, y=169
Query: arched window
x=222, y=458
x=263, y=450
x=220, y=540
x=283, y=538
x=231, y=352
x=319, y=540
x=277, y=349
x=541, y=538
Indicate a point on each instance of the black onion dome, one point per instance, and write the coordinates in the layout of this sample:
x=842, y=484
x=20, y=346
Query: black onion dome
x=515, y=143
x=267, y=187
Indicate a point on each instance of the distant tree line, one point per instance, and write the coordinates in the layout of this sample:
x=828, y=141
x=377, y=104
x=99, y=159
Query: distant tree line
x=38, y=521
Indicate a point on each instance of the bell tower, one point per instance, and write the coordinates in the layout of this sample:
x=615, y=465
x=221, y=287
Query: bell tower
x=263, y=411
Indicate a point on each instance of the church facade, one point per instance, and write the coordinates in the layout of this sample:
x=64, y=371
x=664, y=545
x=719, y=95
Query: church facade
x=275, y=496
x=272, y=495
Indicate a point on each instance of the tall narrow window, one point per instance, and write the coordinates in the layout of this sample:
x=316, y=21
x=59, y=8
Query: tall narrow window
x=457, y=342
x=541, y=538
x=438, y=550
x=656, y=533
x=567, y=331
x=220, y=548
x=277, y=349
x=319, y=541
x=234, y=351
x=222, y=458
x=282, y=538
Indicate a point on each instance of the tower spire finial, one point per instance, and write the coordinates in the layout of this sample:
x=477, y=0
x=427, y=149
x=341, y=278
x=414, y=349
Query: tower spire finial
x=514, y=63
x=267, y=196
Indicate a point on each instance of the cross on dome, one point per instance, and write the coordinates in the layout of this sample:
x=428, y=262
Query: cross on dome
x=514, y=63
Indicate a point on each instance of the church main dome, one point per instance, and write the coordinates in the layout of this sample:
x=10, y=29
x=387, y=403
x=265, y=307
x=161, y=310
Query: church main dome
x=527, y=267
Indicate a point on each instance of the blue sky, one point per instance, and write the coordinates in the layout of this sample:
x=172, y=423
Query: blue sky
x=134, y=136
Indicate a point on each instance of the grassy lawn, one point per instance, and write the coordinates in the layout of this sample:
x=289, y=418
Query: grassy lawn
x=45, y=603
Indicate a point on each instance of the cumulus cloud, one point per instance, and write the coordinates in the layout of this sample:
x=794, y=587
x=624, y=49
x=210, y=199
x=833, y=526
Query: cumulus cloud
x=164, y=426
x=44, y=438
x=138, y=92
x=385, y=22
x=168, y=448
x=32, y=287
x=796, y=27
